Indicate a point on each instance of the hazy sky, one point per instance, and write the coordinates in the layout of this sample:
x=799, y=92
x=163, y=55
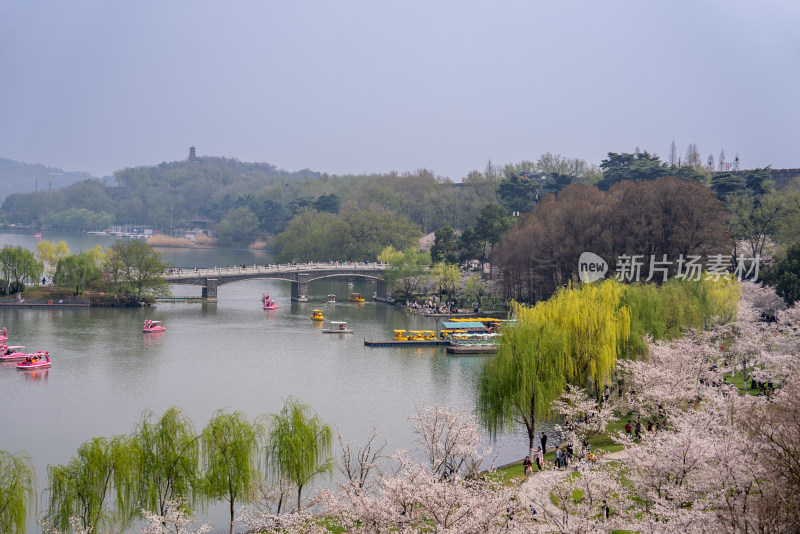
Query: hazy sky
x=373, y=86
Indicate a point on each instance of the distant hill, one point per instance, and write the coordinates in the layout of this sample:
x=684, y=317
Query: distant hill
x=19, y=177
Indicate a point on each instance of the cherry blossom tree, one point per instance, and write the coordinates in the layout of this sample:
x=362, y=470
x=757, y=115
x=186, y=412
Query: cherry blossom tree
x=676, y=374
x=724, y=461
x=291, y=523
x=356, y=461
x=451, y=439
x=399, y=494
x=764, y=350
x=575, y=503
x=584, y=416
x=176, y=520
x=416, y=499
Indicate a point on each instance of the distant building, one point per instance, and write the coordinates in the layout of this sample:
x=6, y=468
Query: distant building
x=192, y=154
x=194, y=226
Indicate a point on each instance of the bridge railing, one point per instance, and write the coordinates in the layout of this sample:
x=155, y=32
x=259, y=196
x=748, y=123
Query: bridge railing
x=180, y=272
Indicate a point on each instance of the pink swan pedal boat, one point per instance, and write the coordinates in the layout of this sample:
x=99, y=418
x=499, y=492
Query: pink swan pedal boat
x=14, y=353
x=153, y=326
x=3, y=335
x=269, y=304
x=37, y=361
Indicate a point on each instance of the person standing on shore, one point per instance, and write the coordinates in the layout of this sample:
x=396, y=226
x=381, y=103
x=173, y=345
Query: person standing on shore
x=544, y=443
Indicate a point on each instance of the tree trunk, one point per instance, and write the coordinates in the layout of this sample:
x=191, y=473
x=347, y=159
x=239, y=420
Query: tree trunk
x=532, y=453
x=531, y=427
x=231, y=531
x=299, y=490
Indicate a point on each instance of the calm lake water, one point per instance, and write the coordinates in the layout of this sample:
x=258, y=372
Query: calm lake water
x=231, y=354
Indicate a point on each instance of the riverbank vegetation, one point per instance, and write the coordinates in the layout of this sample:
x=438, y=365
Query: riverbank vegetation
x=127, y=273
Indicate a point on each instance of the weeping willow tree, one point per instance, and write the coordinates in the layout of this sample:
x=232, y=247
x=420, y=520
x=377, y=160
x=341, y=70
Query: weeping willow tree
x=230, y=458
x=170, y=460
x=574, y=337
x=99, y=486
x=524, y=377
x=299, y=447
x=670, y=310
x=17, y=491
x=596, y=327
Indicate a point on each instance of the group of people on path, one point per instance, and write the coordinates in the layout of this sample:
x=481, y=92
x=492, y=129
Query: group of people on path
x=635, y=431
x=562, y=457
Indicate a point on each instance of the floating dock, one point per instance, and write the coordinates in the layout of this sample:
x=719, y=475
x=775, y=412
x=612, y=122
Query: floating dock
x=410, y=343
x=472, y=349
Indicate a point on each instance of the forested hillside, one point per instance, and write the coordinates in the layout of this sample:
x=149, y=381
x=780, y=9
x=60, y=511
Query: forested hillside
x=244, y=200
x=18, y=177
x=555, y=207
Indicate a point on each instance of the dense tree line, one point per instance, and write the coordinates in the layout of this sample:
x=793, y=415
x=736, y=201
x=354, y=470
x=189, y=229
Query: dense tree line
x=250, y=201
x=246, y=200
x=354, y=234
x=652, y=219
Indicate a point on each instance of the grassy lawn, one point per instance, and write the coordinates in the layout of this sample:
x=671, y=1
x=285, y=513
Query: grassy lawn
x=738, y=381
x=47, y=292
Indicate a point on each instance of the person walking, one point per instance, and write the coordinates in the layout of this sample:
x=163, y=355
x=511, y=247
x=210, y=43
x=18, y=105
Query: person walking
x=539, y=458
x=528, y=465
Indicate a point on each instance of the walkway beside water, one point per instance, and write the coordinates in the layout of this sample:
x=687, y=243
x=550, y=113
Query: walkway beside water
x=12, y=302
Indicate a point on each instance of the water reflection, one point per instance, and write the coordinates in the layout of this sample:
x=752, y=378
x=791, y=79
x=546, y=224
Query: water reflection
x=152, y=338
x=39, y=375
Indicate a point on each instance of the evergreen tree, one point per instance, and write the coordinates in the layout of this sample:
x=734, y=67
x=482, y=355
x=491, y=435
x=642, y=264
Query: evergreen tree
x=785, y=275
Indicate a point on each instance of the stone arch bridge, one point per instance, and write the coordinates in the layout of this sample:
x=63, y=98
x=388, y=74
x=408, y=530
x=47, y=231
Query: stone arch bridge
x=298, y=274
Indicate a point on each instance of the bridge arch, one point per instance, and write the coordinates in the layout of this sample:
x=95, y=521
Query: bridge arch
x=298, y=275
